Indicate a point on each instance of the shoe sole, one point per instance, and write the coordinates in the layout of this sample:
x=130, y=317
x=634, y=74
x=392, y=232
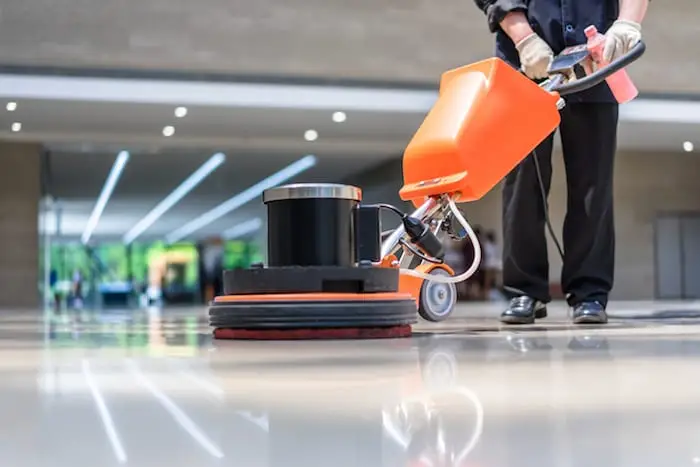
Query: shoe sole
x=590, y=320
x=539, y=314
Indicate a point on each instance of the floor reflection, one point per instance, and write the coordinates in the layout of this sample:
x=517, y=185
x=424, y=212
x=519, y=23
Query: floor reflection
x=152, y=388
x=147, y=330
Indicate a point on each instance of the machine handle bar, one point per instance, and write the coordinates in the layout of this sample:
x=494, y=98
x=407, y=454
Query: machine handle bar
x=602, y=74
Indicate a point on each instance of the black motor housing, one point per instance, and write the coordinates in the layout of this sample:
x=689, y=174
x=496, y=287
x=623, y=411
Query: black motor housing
x=320, y=225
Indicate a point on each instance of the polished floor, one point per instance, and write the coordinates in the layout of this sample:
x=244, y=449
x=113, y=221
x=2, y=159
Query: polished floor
x=151, y=388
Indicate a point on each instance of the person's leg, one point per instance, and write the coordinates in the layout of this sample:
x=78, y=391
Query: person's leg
x=525, y=262
x=589, y=139
x=476, y=284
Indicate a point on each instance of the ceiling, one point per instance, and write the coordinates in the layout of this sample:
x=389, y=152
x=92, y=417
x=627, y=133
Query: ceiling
x=78, y=177
x=82, y=140
x=379, y=123
x=83, y=134
x=242, y=128
x=388, y=40
x=85, y=122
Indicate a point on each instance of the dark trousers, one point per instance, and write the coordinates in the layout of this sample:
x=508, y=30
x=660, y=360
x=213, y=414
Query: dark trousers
x=589, y=138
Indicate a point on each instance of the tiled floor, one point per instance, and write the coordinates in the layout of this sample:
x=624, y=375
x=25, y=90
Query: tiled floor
x=151, y=388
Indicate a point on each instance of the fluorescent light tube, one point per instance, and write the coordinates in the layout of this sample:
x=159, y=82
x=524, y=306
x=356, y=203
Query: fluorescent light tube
x=105, y=194
x=244, y=228
x=173, y=198
x=242, y=198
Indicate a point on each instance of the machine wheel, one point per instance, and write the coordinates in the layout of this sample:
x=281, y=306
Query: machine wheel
x=437, y=300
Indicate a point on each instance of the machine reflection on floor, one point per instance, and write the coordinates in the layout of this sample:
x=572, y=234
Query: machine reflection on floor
x=152, y=388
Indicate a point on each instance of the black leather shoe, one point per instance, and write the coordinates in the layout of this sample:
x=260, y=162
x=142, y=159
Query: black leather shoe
x=590, y=313
x=523, y=310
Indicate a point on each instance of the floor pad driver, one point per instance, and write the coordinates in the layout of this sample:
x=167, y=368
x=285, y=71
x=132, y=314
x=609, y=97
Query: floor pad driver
x=321, y=281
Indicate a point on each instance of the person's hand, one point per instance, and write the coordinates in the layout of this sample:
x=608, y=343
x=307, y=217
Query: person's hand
x=620, y=38
x=535, y=56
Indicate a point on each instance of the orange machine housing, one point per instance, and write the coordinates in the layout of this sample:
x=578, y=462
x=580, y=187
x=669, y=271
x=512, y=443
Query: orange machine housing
x=488, y=117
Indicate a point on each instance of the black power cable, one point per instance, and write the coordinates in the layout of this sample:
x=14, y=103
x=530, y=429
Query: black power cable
x=417, y=253
x=388, y=207
x=545, y=207
x=419, y=234
x=545, y=204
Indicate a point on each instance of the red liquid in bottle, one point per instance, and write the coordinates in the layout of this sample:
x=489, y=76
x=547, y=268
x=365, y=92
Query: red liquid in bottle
x=620, y=83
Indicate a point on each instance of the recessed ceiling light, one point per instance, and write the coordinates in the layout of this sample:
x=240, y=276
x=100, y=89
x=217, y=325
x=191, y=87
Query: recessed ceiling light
x=17, y=126
x=339, y=117
x=180, y=112
x=168, y=130
x=310, y=135
x=11, y=106
x=688, y=146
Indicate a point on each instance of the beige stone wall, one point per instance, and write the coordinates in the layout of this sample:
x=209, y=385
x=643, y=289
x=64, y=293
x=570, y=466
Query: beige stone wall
x=19, y=230
x=388, y=40
x=645, y=184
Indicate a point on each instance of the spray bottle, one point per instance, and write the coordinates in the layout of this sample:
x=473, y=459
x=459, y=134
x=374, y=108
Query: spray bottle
x=620, y=83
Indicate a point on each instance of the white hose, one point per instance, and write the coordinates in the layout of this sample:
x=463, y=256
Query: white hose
x=466, y=274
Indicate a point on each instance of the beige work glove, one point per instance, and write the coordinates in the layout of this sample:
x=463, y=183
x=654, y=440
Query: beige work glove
x=535, y=56
x=620, y=38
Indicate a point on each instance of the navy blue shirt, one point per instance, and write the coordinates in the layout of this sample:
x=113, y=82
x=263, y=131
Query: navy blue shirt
x=560, y=23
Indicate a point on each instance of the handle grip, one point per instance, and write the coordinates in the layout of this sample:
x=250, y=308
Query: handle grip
x=602, y=74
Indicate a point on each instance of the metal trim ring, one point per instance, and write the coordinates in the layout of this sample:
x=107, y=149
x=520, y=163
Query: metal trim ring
x=312, y=191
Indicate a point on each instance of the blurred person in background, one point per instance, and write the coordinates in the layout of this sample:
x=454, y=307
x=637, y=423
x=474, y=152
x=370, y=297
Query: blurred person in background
x=529, y=33
x=455, y=259
x=53, y=287
x=212, y=261
x=77, y=289
x=475, y=284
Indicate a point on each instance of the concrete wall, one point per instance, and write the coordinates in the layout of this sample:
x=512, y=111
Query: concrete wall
x=646, y=184
x=20, y=191
x=396, y=40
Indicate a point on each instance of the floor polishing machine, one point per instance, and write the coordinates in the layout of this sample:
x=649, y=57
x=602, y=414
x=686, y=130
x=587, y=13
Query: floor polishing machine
x=331, y=274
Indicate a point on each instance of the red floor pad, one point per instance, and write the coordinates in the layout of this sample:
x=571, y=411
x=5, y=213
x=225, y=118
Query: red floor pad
x=391, y=332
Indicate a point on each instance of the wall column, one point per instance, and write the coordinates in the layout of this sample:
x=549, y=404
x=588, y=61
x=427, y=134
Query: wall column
x=20, y=192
